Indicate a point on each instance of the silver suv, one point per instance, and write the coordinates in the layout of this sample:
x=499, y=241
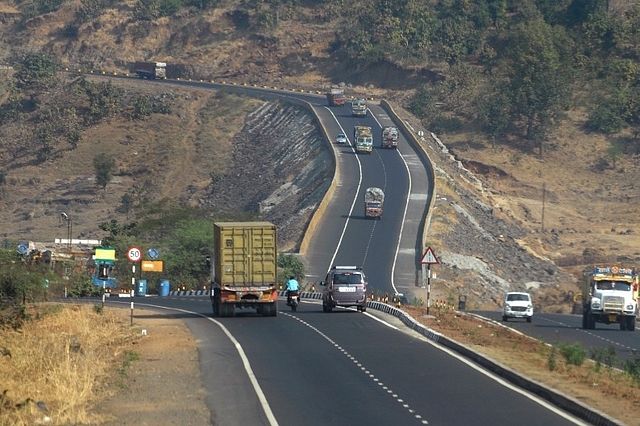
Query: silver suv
x=344, y=286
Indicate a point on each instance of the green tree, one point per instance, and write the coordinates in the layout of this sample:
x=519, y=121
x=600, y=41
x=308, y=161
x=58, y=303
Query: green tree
x=118, y=234
x=289, y=266
x=494, y=110
x=105, y=99
x=188, y=245
x=127, y=204
x=103, y=166
x=36, y=70
x=614, y=152
x=539, y=78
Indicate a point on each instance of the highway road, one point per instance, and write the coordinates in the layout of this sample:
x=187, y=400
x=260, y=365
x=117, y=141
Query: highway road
x=317, y=368
x=346, y=367
x=567, y=329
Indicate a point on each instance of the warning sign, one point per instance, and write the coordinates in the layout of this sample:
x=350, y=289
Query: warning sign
x=429, y=257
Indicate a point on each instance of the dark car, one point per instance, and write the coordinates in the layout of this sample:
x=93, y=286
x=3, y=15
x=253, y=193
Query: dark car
x=344, y=286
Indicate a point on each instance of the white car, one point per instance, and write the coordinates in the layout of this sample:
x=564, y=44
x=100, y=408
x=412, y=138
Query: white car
x=341, y=138
x=517, y=305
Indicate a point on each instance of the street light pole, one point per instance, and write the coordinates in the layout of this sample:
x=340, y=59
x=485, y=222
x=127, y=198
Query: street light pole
x=69, y=228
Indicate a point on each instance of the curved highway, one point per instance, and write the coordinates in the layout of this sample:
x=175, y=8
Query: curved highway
x=345, y=367
x=564, y=328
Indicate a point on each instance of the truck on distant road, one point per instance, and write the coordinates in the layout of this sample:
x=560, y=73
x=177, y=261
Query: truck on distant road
x=389, y=137
x=373, y=202
x=244, y=268
x=363, y=139
x=359, y=107
x=151, y=70
x=610, y=295
x=335, y=97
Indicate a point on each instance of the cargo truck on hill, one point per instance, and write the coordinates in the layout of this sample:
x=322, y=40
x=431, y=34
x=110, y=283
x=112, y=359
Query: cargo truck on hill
x=359, y=107
x=244, y=268
x=151, y=70
x=335, y=97
x=373, y=202
x=389, y=137
x=363, y=139
x=609, y=296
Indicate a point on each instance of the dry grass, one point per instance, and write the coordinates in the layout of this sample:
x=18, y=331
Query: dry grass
x=62, y=358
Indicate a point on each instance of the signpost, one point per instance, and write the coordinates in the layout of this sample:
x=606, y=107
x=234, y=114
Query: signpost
x=428, y=258
x=134, y=254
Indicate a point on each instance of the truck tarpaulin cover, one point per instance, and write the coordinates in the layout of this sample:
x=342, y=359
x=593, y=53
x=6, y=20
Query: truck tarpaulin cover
x=374, y=194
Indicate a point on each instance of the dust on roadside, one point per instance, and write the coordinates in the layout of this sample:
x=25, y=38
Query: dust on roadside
x=163, y=386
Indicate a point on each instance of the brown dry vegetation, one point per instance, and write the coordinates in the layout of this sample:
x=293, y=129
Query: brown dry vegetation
x=96, y=367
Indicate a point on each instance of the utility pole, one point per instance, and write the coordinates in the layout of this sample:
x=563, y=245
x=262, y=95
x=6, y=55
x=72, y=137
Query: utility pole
x=544, y=193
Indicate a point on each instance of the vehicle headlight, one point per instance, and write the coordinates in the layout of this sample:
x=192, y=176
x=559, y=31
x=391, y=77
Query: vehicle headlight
x=507, y=307
x=630, y=307
x=595, y=303
x=529, y=307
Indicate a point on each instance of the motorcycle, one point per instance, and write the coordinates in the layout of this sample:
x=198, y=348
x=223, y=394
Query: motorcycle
x=293, y=300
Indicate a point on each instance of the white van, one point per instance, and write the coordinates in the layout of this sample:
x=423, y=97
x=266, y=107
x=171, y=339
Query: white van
x=517, y=305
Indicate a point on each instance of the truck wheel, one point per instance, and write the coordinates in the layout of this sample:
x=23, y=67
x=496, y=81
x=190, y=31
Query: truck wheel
x=222, y=310
x=505, y=318
x=631, y=323
x=623, y=324
x=591, y=322
x=227, y=310
x=273, y=309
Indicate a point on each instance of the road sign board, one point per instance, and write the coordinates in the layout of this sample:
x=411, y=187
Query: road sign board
x=152, y=265
x=134, y=254
x=153, y=253
x=429, y=257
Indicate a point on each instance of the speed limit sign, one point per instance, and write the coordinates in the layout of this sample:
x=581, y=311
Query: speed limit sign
x=134, y=254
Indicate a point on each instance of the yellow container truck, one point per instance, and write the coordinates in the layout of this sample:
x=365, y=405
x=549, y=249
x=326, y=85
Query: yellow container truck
x=244, y=268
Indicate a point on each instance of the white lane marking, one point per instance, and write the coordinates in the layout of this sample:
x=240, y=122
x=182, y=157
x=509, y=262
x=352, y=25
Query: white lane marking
x=362, y=368
x=355, y=198
x=500, y=380
x=590, y=333
x=245, y=362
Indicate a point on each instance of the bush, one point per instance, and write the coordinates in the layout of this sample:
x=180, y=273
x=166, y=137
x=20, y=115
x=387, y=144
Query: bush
x=572, y=354
x=605, y=119
x=445, y=124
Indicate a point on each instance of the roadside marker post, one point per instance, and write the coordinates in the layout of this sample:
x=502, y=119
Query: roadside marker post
x=428, y=258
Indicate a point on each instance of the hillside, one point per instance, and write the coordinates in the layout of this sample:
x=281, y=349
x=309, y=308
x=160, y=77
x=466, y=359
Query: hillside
x=572, y=205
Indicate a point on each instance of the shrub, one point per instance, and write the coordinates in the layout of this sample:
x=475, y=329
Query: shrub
x=605, y=119
x=445, y=124
x=572, y=354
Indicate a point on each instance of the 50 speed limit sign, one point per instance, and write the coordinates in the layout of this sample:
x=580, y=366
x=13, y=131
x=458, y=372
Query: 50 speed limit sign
x=134, y=254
